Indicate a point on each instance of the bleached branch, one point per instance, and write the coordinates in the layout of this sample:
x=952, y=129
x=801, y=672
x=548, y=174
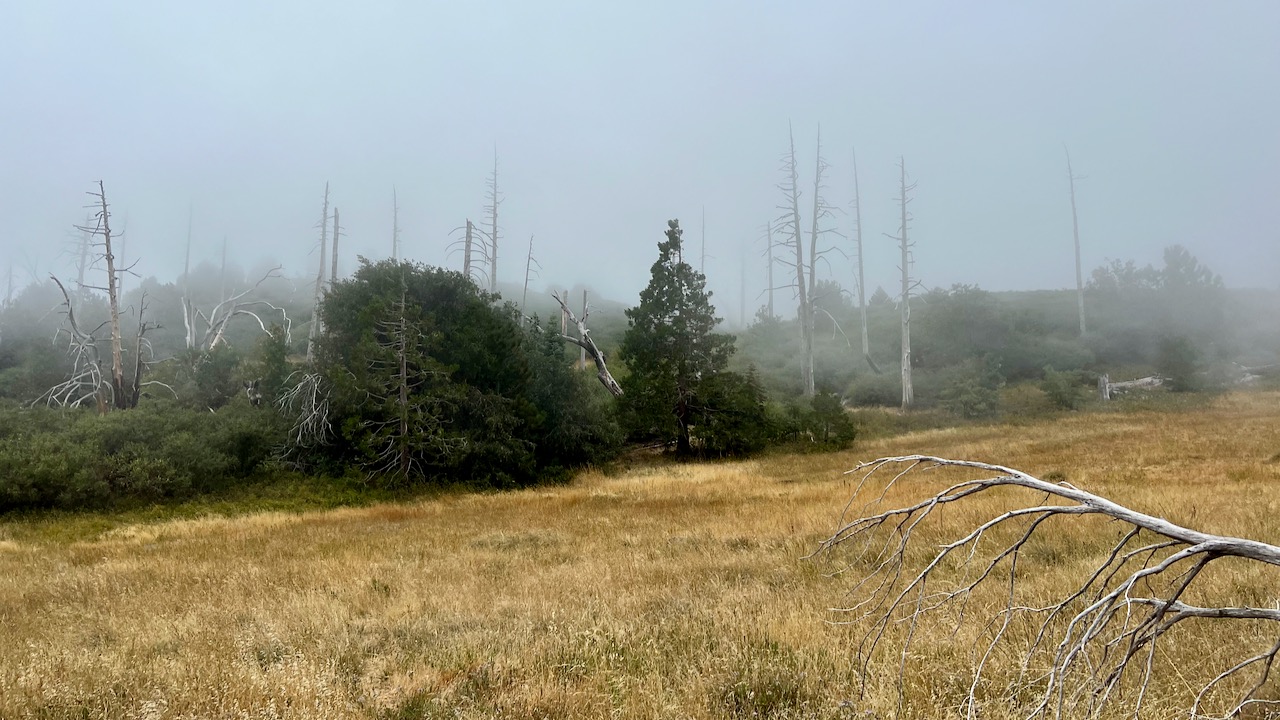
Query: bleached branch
x=1107, y=629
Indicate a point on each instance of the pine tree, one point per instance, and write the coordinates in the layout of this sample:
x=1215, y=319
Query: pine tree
x=671, y=348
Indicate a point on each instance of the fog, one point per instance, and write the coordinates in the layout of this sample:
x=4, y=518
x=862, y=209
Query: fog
x=609, y=120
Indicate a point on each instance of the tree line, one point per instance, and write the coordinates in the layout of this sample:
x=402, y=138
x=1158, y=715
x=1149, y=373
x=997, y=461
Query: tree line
x=409, y=375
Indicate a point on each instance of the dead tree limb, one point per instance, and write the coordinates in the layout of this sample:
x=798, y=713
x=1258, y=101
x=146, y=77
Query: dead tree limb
x=87, y=380
x=217, y=319
x=585, y=342
x=306, y=401
x=1089, y=650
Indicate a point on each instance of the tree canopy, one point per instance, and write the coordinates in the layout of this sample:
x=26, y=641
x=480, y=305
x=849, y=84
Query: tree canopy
x=678, y=362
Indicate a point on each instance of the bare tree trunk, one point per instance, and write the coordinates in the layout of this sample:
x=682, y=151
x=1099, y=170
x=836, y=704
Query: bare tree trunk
x=529, y=262
x=768, y=229
x=395, y=225
x=222, y=277
x=186, y=259
x=495, y=199
x=466, y=251
x=333, y=272
x=792, y=188
x=8, y=293
x=1075, y=233
x=702, y=257
x=113, y=300
x=402, y=350
x=818, y=211
x=582, y=350
x=319, y=295
x=82, y=291
x=904, y=245
x=122, y=263
x=862, y=276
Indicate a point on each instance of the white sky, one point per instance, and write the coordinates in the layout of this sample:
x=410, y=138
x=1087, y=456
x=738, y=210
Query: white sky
x=610, y=118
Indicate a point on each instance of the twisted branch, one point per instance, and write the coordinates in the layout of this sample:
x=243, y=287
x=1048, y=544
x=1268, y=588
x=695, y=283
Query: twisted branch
x=1107, y=629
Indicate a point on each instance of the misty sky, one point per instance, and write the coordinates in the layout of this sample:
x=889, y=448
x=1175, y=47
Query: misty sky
x=610, y=118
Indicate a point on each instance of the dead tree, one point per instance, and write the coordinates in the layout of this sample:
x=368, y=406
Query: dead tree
x=222, y=275
x=474, y=247
x=858, y=253
x=314, y=334
x=1075, y=233
x=904, y=299
x=121, y=390
x=337, y=230
x=702, y=254
x=395, y=225
x=306, y=401
x=585, y=342
x=1081, y=653
x=411, y=428
x=88, y=382
x=821, y=211
x=768, y=251
x=531, y=267
x=790, y=187
x=83, y=261
x=217, y=319
x=495, y=199
x=186, y=258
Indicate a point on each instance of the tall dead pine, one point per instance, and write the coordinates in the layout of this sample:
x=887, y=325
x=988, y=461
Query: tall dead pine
x=1075, y=234
x=791, y=216
x=858, y=253
x=904, y=246
x=319, y=294
x=495, y=199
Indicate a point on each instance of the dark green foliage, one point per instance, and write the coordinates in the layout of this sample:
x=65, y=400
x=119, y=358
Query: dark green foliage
x=730, y=418
x=578, y=424
x=674, y=357
x=870, y=390
x=269, y=367
x=1178, y=360
x=975, y=392
x=1068, y=390
x=158, y=451
x=433, y=381
x=830, y=423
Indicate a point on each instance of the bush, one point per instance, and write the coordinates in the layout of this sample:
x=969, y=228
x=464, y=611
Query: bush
x=76, y=459
x=975, y=393
x=1066, y=390
x=876, y=391
x=1178, y=360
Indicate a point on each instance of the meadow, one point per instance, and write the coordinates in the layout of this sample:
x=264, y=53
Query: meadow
x=653, y=591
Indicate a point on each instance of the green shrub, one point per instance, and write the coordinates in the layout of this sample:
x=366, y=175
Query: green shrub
x=77, y=459
x=1067, y=390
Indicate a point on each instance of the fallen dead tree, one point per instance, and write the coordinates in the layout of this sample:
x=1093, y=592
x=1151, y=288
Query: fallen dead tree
x=1108, y=389
x=585, y=342
x=1087, y=651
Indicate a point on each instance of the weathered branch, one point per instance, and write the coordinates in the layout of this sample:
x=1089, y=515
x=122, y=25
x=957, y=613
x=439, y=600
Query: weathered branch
x=307, y=402
x=585, y=342
x=1107, y=629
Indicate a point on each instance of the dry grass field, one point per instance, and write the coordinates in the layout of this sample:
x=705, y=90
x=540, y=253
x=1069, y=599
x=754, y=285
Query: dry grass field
x=659, y=592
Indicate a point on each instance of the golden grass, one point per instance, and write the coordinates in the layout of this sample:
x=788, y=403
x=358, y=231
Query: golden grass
x=678, y=591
